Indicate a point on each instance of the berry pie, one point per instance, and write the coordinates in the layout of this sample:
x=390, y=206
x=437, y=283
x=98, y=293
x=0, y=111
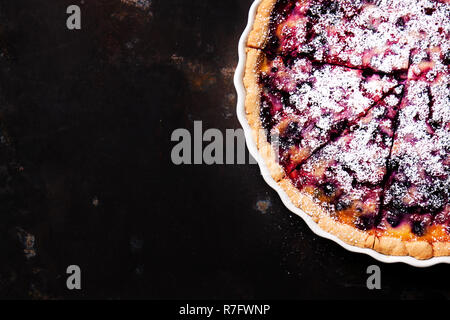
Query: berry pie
x=349, y=105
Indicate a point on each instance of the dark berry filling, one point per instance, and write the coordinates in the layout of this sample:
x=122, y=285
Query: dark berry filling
x=365, y=222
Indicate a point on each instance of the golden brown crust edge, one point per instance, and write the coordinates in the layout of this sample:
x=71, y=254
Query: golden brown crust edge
x=252, y=106
x=345, y=232
x=258, y=36
x=418, y=249
x=421, y=250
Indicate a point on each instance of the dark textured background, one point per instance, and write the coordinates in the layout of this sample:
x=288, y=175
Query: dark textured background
x=86, y=176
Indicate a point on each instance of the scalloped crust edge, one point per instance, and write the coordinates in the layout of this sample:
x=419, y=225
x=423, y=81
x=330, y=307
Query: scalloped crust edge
x=258, y=36
x=252, y=106
x=387, y=245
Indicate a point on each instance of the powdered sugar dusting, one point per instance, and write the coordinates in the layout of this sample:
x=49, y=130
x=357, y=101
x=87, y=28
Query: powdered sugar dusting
x=421, y=181
x=323, y=96
x=383, y=35
x=360, y=156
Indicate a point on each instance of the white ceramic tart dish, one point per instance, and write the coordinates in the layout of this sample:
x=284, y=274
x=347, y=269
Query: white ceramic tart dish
x=345, y=107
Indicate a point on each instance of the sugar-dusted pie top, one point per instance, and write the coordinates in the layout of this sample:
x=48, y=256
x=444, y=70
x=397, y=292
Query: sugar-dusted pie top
x=381, y=35
x=355, y=100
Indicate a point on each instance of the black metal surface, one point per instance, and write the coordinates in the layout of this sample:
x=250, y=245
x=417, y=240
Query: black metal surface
x=87, y=177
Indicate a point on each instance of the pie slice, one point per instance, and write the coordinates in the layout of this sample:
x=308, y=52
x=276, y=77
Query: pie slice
x=305, y=104
x=415, y=200
x=350, y=107
x=346, y=176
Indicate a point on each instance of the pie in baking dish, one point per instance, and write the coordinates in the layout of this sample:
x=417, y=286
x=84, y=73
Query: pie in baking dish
x=349, y=104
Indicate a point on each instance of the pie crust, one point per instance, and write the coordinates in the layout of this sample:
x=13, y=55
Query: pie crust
x=389, y=240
